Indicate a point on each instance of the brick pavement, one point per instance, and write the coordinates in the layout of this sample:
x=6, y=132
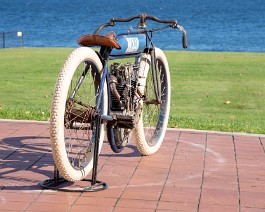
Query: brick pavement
x=193, y=171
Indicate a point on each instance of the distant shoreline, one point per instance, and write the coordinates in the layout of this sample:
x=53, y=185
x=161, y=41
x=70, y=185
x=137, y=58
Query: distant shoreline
x=178, y=50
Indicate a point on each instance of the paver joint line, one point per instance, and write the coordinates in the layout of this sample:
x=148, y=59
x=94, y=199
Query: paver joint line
x=203, y=170
x=238, y=180
x=261, y=143
x=175, y=150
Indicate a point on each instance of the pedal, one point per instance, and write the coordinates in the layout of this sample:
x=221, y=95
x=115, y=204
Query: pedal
x=124, y=121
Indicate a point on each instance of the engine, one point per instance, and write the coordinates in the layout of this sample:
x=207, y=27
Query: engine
x=125, y=101
x=123, y=82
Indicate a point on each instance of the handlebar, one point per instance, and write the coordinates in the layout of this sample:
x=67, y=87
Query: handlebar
x=143, y=18
x=142, y=24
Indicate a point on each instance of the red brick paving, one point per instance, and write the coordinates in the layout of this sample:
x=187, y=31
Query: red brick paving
x=193, y=171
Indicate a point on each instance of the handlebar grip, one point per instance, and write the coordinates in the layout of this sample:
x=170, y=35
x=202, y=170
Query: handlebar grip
x=184, y=40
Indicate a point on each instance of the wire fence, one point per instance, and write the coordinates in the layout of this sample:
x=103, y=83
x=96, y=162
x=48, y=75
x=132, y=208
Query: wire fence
x=11, y=39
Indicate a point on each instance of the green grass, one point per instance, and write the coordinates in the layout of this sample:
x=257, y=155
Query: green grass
x=218, y=91
x=27, y=80
x=210, y=90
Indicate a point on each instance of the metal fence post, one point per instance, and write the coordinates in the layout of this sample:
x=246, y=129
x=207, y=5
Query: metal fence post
x=3, y=39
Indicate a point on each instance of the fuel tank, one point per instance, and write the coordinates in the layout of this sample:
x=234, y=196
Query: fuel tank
x=130, y=45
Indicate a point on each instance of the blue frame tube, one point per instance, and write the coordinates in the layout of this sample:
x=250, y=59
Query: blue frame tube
x=101, y=88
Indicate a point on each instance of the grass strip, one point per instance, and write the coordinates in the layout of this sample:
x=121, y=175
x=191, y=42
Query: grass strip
x=210, y=90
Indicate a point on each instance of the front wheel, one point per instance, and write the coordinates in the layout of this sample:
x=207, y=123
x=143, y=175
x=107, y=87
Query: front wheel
x=72, y=124
x=151, y=128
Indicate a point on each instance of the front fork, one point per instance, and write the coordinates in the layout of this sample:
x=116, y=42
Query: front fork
x=155, y=77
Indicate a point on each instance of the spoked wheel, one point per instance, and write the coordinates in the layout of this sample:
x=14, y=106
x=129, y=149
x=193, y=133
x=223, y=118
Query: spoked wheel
x=151, y=128
x=118, y=138
x=72, y=122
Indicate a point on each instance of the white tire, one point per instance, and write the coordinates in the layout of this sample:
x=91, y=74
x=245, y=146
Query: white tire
x=151, y=128
x=71, y=137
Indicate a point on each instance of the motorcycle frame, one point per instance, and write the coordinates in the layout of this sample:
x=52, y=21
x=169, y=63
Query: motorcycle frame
x=143, y=44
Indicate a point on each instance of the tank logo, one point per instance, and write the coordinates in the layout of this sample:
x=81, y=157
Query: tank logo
x=133, y=44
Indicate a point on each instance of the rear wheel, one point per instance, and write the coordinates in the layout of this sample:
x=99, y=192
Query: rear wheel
x=72, y=122
x=151, y=128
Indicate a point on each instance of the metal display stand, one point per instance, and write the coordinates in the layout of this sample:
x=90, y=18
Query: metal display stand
x=57, y=184
x=57, y=181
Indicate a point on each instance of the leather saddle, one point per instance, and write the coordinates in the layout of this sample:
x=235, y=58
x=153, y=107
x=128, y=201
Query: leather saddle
x=108, y=40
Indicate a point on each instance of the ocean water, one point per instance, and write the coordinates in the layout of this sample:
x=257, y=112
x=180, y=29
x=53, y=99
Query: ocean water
x=211, y=25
